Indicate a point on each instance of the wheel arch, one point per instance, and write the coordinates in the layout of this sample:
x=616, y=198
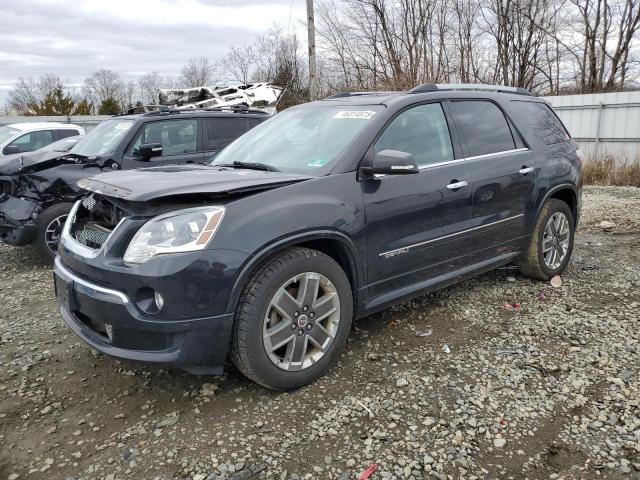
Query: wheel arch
x=566, y=193
x=334, y=244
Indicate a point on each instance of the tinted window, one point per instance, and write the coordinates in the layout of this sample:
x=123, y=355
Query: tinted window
x=176, y=136
x=544, y=122
x=33, y=141
x=222, y=131
x=254, y=122
x=482, y=127
x=421, y=131
x=66, y=133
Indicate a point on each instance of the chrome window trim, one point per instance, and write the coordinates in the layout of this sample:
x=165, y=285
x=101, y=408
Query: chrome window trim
x=496, y=154
x=461, y=160
x=406, y=249
x=104, y=293
x=475, y=157
x=72, y=244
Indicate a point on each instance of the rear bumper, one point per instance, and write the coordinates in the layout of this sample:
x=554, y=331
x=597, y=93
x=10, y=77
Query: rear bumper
x=108, y=320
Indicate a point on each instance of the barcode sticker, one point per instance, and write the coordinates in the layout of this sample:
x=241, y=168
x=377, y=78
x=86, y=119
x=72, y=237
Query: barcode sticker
x=357, y=114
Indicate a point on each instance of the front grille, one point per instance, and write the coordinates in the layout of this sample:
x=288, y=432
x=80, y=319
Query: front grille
x=95, y=219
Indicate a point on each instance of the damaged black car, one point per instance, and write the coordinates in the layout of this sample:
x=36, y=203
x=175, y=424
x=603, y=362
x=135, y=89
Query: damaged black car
x=37, y=191
x=328, y=212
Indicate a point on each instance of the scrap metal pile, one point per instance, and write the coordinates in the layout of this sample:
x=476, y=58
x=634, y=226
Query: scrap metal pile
x=263, y=96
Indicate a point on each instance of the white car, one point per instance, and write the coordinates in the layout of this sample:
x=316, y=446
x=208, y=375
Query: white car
x=28, y=137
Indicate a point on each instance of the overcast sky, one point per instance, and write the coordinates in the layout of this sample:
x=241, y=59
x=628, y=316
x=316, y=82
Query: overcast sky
x=73, y=38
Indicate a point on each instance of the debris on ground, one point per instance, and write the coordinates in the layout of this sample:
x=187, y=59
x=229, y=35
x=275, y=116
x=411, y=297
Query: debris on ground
x=368, y=472
x=556, y=281
x=607, y=226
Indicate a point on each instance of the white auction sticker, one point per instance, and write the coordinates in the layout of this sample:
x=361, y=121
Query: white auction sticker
x=357, y=114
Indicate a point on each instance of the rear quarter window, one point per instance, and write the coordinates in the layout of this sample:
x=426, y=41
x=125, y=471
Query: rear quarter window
x=543, y=122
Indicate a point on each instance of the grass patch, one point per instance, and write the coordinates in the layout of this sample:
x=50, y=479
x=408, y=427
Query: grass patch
x=610, y=172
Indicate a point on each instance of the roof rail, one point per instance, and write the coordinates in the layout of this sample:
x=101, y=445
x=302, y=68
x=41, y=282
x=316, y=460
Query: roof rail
x=439, y=87
x=356, y=94
x=232, y=108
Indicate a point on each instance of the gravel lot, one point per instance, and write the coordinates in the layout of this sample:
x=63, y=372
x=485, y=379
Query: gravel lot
x=457, y=384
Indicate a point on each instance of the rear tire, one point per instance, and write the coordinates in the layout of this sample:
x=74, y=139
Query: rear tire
x=48, y=230
x=549, y=249
x=285, y=335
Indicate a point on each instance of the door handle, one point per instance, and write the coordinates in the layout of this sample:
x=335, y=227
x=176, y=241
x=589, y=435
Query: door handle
x=524, y=170
x=457, y=185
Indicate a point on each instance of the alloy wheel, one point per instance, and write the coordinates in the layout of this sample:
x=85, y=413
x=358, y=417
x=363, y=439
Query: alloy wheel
x=53, y=232
x=555, y=243
x=301, y=321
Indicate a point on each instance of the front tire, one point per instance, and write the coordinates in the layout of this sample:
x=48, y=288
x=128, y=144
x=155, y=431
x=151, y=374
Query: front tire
x=292, y=320
x=48, y=231
x=549, y=249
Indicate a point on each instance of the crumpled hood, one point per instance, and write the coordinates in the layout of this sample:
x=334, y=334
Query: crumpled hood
x=33, y=161
x=157, y=182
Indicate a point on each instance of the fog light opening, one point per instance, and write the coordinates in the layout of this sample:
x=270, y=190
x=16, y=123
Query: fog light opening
x=159, y=300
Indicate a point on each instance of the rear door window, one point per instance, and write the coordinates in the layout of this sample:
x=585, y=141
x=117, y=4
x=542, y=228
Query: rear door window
x=482, y=127
x=421, y=131
x=221, y=131
x=33, y=140
x=544, y=122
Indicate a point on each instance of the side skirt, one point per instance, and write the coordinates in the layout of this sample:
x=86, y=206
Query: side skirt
x=386, y=300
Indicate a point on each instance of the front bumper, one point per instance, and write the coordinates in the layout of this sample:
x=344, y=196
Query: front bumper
x=17, y=222
x=109, y=321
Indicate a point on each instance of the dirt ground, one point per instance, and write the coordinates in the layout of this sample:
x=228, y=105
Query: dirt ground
x=497, y=377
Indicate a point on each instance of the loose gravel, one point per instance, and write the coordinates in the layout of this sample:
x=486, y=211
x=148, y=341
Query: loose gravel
x=498, y=377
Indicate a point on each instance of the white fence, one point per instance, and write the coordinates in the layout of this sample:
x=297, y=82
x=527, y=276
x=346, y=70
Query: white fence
x=88, y=122
x=603, y=124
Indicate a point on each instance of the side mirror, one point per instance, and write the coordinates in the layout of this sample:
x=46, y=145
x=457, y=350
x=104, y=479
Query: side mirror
x=392, y=162
x=149, y=150
x=11, y=150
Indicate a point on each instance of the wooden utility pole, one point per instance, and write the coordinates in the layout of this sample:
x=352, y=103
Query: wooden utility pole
x=313, y=72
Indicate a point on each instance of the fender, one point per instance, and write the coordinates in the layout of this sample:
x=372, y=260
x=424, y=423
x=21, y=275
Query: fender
x=563, y=186
x=270, y=249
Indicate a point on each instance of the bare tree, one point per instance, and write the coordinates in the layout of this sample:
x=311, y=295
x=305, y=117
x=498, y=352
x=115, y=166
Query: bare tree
x=105, y=86
x=28, y=94
x=198, y=72
x=237, y=64
x=150, y=83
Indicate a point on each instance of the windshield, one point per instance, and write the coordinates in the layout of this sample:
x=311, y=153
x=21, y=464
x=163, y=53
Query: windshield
x=299, y=140
x=103, y=139
x=6, y=133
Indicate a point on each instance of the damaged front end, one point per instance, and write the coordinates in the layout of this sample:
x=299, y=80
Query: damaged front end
x=17, y=214
x=27, y=188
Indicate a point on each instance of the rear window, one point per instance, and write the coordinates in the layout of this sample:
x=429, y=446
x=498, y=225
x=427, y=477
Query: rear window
x=482, y=126
x=544, y=122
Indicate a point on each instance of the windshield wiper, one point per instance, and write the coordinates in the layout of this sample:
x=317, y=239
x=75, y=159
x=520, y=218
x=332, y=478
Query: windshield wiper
x=249, y=165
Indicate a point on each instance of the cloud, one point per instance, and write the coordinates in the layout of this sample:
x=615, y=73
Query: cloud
x=72, y=39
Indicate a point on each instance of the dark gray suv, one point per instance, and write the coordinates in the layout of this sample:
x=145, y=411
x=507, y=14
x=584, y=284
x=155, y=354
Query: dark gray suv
x=325, y=213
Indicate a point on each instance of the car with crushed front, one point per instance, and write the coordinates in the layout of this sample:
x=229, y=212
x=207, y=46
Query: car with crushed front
x=328, y=212
x=37, y=190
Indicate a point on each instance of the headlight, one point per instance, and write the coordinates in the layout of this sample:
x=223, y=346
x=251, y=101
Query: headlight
x=180, y=231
